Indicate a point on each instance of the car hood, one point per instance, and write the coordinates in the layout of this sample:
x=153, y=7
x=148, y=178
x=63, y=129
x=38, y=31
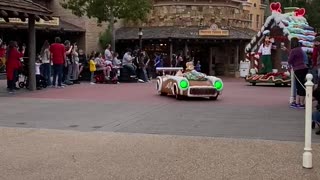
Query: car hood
x=200, y=83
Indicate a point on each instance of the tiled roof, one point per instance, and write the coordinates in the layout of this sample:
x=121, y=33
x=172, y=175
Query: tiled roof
x=25, y=6
x=129, y=33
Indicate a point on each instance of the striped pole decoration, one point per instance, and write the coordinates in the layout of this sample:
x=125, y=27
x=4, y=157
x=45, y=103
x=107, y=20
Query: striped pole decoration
x=256, y=58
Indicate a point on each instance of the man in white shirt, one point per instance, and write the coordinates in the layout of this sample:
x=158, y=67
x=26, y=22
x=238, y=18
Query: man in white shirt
x=127, y=62
x=107, y=53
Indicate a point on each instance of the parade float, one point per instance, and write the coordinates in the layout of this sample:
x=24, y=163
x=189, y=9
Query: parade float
x=279, y=28
x=189, y=83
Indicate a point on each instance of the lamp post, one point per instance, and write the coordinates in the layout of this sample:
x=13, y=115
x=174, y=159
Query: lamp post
x=140, y=38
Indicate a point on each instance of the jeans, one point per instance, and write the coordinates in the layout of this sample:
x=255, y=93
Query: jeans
x=92, y=77
x=69, y=73
x=75, y=71
x=316, y=116
x=131, y=69
x=46, y=72
x=143, y=74
x=57, y=71
x=12, y=83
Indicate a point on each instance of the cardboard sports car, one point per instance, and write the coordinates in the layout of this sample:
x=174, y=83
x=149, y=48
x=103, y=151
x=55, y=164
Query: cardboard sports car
x=189, y=84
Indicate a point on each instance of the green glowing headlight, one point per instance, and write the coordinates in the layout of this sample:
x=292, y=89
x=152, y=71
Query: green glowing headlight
x=184, y=84
x=218, y=85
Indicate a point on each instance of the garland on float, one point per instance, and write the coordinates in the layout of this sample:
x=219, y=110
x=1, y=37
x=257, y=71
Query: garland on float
x=270, y=77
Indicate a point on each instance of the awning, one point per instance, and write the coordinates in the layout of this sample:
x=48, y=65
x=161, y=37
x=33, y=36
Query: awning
x=131, y=33
x=59, y=25
x=22, y=9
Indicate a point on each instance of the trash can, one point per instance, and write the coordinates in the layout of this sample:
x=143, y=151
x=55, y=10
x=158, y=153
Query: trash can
x=244, y=68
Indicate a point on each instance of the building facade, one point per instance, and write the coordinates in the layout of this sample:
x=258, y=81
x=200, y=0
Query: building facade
x=256, y=9
x=81, y=30
x=212, y=32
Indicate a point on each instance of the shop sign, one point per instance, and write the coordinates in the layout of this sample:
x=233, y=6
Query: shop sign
x=54, y=22
x=213, y=31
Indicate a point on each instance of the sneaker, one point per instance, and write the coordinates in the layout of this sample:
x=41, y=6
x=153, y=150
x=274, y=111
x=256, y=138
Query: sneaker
x=60, y=87
x=92, y=83
x=107, y=78
x=300, y=106
x=293, y=105
x=140, y=80
x=11, y=92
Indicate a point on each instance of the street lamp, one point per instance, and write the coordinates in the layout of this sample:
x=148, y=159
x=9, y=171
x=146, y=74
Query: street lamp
x=140, y=38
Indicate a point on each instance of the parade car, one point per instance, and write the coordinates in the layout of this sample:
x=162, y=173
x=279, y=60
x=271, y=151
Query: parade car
x=189, y=84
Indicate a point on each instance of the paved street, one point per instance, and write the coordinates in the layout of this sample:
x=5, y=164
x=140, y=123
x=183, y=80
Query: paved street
x=242, y=111
x=127, y=131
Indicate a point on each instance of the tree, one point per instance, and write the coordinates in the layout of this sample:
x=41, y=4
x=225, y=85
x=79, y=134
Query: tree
x=110, y=10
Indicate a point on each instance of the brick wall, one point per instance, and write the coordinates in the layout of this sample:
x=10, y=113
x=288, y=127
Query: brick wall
x=191, y=13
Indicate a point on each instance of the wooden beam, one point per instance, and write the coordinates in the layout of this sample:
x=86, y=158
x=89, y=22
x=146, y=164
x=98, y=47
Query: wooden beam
x=3, y=13
x=37, y=18
x=44, y=18
x=23, y=19
x=15, y=13
x=32, y=52
x=25, y=15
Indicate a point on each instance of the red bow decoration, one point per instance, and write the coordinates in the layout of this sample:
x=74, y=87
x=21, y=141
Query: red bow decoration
x=300, y=12
x=275, y=6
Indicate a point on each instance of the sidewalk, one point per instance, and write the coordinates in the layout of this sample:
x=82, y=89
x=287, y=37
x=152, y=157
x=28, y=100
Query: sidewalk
x=54, y=154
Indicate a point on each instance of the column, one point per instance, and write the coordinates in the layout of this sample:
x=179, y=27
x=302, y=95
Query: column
x=170, y=51
x=237, y=61
x=186, y=49
x=32, y=52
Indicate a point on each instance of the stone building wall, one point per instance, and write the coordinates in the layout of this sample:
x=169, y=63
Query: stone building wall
x=93, y=31
x=196, y=13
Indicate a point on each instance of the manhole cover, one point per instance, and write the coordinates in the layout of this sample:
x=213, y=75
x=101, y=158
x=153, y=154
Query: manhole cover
x=21, y=123
x=73, y=126
x=97, y=127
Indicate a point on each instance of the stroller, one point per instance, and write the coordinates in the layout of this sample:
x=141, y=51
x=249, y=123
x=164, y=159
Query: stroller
x=24, y=73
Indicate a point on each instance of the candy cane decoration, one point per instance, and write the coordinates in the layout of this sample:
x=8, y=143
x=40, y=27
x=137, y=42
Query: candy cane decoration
x=256, y=58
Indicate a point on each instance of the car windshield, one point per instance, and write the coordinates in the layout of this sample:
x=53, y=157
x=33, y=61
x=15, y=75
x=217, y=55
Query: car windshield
x=195, y=76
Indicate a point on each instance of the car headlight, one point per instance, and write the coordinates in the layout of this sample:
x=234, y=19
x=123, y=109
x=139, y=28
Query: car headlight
x=184, y=84
x=218, y=85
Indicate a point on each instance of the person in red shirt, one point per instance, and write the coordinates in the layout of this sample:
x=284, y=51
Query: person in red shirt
x=58, y=56
x=13, y=64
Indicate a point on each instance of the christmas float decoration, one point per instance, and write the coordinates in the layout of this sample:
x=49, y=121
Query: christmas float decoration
x=292, y=24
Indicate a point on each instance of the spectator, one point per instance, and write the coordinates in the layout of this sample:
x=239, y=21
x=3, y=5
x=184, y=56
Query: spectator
x=198, y=67
x=116, y=62
x=316, y=58
x=101, y=66
x=127, y=63
x=13, y=64
x=58, y=60
x=107, y=53
x=68, y=63
x=46, y=64
x=38, y=74
x=75, y=64
x=83, y=63
x=296, y=60
x=92, y=68
x=142, y=60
